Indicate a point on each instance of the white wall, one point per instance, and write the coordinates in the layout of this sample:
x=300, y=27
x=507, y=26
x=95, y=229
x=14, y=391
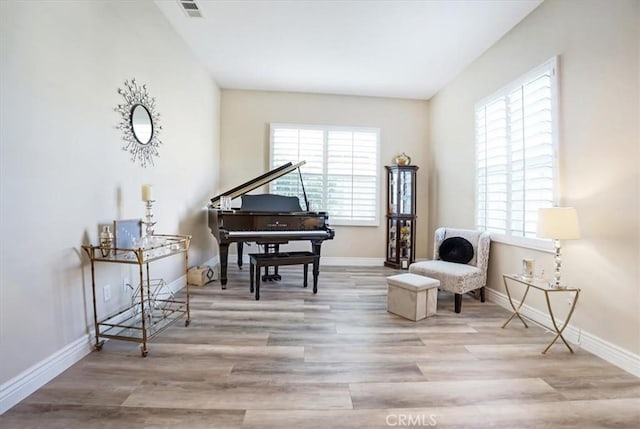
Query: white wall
x=598, y=46
x=246, y=116
x=62, y=168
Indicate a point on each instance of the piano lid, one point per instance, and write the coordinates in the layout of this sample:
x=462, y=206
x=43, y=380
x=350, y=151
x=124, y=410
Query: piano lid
x=257, y=182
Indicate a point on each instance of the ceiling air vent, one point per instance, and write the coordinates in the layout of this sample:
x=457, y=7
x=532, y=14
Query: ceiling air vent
x=190, y=8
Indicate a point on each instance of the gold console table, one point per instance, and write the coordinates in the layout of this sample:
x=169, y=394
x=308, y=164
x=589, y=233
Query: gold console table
x=543, y=286
x=141, y=321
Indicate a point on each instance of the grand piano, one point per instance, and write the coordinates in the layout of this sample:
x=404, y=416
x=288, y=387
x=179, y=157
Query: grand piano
x=267, y=219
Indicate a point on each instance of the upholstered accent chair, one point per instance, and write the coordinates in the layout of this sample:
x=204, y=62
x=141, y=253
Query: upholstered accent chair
x=455, y=277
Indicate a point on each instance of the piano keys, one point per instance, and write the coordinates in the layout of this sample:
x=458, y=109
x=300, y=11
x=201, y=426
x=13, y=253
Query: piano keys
x=267, y=219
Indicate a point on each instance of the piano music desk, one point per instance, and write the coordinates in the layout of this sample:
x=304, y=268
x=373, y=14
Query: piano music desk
x=259, y=260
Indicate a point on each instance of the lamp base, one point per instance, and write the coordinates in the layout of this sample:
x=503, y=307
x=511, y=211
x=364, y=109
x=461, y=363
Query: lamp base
x=555, y=283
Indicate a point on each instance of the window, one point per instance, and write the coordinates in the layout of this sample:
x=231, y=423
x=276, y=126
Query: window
x=515, y=153
x=341, y=172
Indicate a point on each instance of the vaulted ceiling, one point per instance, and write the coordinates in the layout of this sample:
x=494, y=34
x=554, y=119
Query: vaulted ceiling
x=404, y=49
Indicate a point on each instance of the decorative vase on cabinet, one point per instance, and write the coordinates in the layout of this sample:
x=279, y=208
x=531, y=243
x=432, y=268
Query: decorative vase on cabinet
x=401, y=215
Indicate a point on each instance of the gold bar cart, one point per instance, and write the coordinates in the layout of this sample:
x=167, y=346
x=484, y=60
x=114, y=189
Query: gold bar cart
x=142, y=320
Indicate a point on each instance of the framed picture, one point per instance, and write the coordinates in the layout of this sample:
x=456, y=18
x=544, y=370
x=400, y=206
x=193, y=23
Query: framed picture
x=127, y=233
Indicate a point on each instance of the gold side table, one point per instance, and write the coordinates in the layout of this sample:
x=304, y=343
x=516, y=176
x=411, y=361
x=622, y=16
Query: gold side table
x=543, y=286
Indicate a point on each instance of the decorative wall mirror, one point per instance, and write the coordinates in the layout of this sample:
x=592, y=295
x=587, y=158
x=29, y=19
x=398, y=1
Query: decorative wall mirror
x=140, y=123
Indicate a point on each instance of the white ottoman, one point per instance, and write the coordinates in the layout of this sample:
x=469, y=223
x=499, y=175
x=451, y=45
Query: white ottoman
x=412, y=296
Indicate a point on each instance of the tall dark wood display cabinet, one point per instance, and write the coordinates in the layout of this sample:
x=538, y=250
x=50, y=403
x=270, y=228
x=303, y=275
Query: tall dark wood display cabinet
x=401, y=215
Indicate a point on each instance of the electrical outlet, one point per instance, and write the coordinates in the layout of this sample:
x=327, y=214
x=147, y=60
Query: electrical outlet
x=125, y=285
x=106, y=290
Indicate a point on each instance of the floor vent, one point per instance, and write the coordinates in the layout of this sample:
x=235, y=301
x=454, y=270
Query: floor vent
x=190, y=8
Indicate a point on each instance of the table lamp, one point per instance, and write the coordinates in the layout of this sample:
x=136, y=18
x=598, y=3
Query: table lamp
x=558, y=223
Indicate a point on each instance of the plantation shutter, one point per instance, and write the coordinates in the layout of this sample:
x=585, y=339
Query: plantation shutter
x=515, y=154
x=295, y=145
x=341, y=171
x=493, y=177
x=352, y=176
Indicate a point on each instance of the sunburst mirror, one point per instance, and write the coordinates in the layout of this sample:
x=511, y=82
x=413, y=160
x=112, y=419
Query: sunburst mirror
x=139, y=124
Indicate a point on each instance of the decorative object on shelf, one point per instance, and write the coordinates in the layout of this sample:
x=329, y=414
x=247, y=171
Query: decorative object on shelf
x=402, y=159
x=127, y=233
x=405, y=235
x=225, y=202
x=558, y=223
x=159, y=297
x=140, y=123
x=147, y=197
x=106, y=241
x=527, y=268
x=401, y=215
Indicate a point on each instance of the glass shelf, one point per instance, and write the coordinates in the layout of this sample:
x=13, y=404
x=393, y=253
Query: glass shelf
x=130, y=328
x=539, y=283
x=159, y=247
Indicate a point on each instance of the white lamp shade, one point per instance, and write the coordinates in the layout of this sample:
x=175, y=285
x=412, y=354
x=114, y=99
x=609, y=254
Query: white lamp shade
x=559, y=223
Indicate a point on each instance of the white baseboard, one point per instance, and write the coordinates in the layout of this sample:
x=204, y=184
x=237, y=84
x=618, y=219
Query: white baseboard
x=30, y=380
x=613, y=354
x=213, y=261
x=354, y=262
x=178, y=284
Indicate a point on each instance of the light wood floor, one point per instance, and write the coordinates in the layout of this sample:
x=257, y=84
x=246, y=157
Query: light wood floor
x=334, y=360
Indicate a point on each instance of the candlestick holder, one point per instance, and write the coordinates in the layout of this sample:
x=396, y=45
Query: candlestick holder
x=149, y=223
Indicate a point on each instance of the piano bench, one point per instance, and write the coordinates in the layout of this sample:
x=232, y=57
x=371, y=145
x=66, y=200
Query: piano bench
x=259, y=260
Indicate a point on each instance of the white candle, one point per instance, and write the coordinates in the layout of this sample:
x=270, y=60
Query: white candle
x=147, y=193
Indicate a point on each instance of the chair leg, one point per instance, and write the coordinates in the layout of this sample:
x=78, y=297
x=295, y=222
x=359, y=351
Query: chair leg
x=458, y=302
x=482, y=294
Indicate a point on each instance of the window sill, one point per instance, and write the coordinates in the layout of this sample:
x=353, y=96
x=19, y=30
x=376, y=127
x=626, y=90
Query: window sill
x=524, y=242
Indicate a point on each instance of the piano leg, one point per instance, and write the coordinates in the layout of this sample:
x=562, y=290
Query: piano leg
x=224, y=258
x=276, y=276
x=316, y=271
x=240, y=247
x=316, y=247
